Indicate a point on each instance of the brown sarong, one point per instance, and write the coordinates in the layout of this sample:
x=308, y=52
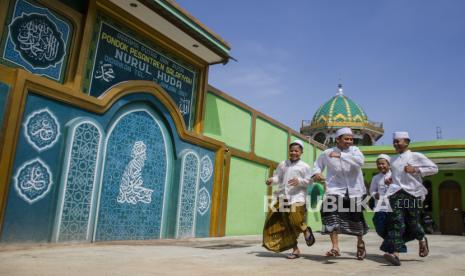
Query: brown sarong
x=282, y=229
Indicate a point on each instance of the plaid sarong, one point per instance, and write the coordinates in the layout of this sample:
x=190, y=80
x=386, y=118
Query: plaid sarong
x=403, y=223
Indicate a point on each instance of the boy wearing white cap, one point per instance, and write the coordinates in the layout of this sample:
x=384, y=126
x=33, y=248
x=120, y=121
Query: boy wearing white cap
x=380, y=191
x=378, y=187
x=344, y=188
x=292, y=176
x=407, y=169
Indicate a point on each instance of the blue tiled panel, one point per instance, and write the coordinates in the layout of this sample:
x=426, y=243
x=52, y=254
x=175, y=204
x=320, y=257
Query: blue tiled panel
x=78, y=183
x=189, y=184
x=133, y=185
x=140, y=155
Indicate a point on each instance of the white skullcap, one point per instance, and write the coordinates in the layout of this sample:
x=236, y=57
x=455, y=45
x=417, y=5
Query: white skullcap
x=344, y=130
x=400, y=135
x=298, y=142
x=384, y=156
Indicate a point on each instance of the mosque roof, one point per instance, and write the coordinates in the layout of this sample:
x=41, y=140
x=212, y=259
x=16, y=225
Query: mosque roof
x=339, y=110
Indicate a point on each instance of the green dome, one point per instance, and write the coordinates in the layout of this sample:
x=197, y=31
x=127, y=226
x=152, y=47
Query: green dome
x=339, y=110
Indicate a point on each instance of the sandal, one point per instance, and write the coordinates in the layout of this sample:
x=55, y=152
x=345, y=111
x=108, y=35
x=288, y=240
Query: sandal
x=333, y=253
x=424, y=249
x=310, y=240
x=293, y=256
x=361, y=251
x=393, y=259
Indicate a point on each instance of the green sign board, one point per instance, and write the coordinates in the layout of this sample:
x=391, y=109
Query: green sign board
x=119, y=57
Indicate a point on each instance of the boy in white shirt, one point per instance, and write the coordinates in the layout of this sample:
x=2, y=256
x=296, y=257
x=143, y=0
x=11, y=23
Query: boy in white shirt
x=380, y=191
x=344, y=188
x=284, y=224
x=407, y=169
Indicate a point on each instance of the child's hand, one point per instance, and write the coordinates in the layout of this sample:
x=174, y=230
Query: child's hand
x=377, y=196
x=269, y=181
x=388, y=181
x=293, y=181
x=318, y=177
x=334, y=154
x=410, y=169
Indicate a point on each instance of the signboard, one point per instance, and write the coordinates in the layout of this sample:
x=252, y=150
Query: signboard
x=36, y=40
x=120, y=57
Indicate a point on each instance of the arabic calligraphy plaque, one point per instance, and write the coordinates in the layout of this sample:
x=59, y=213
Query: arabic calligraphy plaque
x=36, y=39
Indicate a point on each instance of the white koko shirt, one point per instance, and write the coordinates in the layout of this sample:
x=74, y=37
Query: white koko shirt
x=412, y=183
x=344, y=174
x=378, y=185
x=288, y=170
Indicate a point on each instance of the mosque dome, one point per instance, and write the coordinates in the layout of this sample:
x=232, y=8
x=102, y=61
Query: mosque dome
x=340, y=111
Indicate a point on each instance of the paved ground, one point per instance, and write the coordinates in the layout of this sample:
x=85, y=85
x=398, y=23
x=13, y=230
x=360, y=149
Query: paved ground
x=225, y=256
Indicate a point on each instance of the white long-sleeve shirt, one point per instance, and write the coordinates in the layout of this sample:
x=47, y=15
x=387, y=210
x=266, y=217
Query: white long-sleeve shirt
x=344, y=174
x=288, y=170
x=412, y=183
x=378, y=184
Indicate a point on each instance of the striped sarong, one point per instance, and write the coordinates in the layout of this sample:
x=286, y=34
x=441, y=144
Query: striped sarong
x=282, y=229
x=346, y=220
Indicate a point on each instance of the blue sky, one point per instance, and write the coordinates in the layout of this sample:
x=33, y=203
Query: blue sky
x=403, y=61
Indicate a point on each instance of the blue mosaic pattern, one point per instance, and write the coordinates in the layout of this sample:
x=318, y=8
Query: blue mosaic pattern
x=42, y=129
x=206, y=168
x=37, y=40
x=188, y=192
x=131, y=188
x=79, y=185
x=33, y=180
x=204, y=201
x=128, y=221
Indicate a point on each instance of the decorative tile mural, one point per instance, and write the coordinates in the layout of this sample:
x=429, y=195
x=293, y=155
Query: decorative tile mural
x=42, y=129
x=121, y=175
x=206, y=168
x=134, y=178
x=37, y=39
x=79, y=182
x=204, y=201
x=33, y=180
x=131, y=188
x=189, y=184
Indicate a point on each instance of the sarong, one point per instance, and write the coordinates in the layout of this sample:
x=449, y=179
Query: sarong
x=403, y=222
x=282, y=229
x=343, y=215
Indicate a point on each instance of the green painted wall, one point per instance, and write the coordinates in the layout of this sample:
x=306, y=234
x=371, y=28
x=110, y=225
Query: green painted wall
x=228, y=123
x=246, y=212
x=270, y=141
x=436, y=180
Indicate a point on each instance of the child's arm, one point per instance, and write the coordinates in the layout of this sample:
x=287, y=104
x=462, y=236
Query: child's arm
x=423, y=165
x=305, y=179
x=277, y=174
x=319, y=167
x=354, y=157
x=373, y=186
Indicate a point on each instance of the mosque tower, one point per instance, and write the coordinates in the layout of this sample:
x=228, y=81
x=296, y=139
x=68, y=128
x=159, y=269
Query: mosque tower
x=338, y=112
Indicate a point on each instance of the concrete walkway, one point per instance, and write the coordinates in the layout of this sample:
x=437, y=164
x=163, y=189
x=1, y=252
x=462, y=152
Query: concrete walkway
x=226, y=256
